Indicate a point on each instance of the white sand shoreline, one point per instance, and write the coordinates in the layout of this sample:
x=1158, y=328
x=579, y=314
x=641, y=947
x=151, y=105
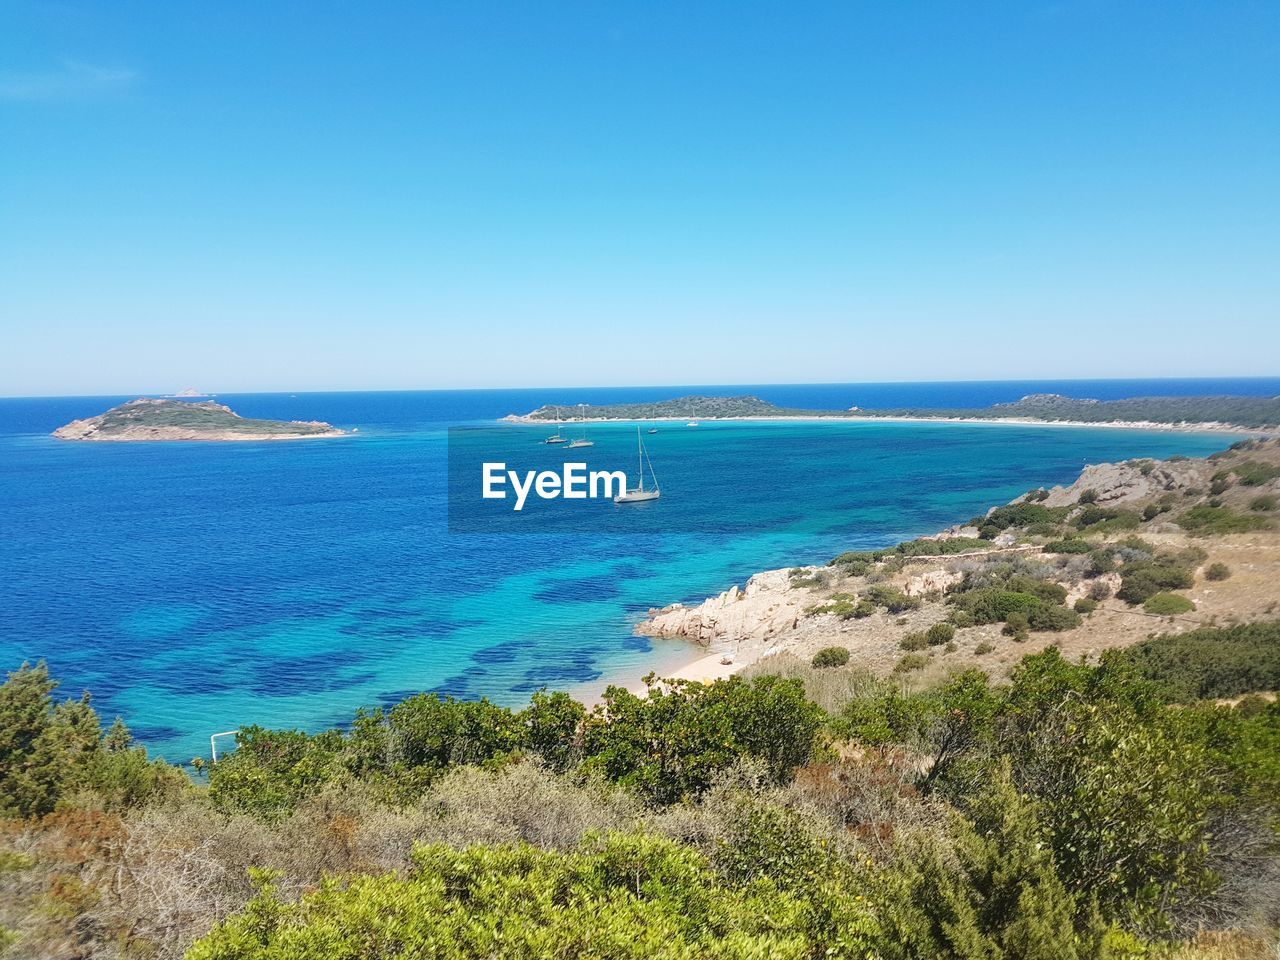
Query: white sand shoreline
x=1182, y=427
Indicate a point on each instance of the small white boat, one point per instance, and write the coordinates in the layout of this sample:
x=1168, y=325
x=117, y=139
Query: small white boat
x=555, y=437
x=639, y=493
x=692, y=423
x=581, y=441
x=653, y=429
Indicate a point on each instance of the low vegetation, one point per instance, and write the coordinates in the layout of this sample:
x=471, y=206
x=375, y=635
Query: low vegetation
x=1068, y=813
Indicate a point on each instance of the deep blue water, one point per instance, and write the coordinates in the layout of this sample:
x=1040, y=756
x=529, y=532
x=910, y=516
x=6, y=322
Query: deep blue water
x=198, y=587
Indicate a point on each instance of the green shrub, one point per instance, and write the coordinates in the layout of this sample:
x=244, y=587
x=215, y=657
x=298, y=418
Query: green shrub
x=843, y=605
x=857, y=562
x=891, y=598
x=1209, y=662
x=1263, y=504
x=1219, y=484
x=1101, y=561
x=983, y=648
x=1017, y=625
x=1217, y=571
x=1204, y=520
x=1144, y=579
x=1168, y=604
x=940, y=633
x=801, y=579
x=1088, y=496
x=916, y=640
x=910, y=662
x=936, y=636
x=1099, y=591
x=670, y=744
x=623, y=896
x=1251, y=473
x=831, y=657
x=1052, y=617
x=1074, y=545
x=1153, y=510
x=1103, y=519
x=1086, y=605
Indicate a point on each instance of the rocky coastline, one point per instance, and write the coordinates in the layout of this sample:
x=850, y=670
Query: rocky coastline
x=148, y=419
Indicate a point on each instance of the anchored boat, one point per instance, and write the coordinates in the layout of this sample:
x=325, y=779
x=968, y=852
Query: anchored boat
x=581, y=441
x=639, y=493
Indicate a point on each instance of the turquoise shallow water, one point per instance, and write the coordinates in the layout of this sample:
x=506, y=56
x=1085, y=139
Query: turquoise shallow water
x=198, y=587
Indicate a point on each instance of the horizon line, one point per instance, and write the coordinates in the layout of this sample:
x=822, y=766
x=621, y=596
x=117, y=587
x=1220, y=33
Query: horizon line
x=635, y=386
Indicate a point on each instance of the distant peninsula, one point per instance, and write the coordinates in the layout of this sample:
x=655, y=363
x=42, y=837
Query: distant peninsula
x=1200, y=413
x=147, y=419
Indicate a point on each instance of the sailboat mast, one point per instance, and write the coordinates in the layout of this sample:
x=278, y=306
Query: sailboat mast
x=640, y=456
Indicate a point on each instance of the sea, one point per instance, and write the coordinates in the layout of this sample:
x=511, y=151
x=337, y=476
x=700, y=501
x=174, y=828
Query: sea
x=194, y=588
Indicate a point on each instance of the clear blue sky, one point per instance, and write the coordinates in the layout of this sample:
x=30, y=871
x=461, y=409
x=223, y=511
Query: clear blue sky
x=342, y=195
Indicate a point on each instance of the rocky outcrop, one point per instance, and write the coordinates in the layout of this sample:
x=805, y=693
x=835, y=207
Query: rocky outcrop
x=765, y=608
x=1119, y=483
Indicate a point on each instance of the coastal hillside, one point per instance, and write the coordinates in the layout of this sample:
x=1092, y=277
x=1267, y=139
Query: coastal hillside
x=150, y=419
x=1249, y=413
x=1074, y=756
x=1127, y=549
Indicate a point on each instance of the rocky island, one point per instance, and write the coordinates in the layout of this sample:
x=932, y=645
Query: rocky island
x=1260, y=414
x=148, y=419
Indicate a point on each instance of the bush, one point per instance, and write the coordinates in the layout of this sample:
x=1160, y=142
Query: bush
x=1099, y=591
x=910, y=662
x=1209, y=662
x=1088, y=496
x=1217, y=571
x=1204, y=520
x=671, y=744
x=1101, y=561
x=1017, y=515
x=983, y=648
x=1101, y=519
x=843, y=605
x=624, y=896
x=891, y=598
x=1052, y=617
x=915, y=640
x=831, y=657
x=1075, y=545
x=1263, y=504
x=1017, y=625
x=1168, y=604
x=1142, y=580
x=937, y=635
x=940, y=633
x=1251, y=473
x=1085, y=605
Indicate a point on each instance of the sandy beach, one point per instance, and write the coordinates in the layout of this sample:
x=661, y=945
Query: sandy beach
x=1269, y=431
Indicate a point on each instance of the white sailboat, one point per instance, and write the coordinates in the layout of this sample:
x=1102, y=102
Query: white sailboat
x=581, y=441
x=555, y=437
x=639, y=493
